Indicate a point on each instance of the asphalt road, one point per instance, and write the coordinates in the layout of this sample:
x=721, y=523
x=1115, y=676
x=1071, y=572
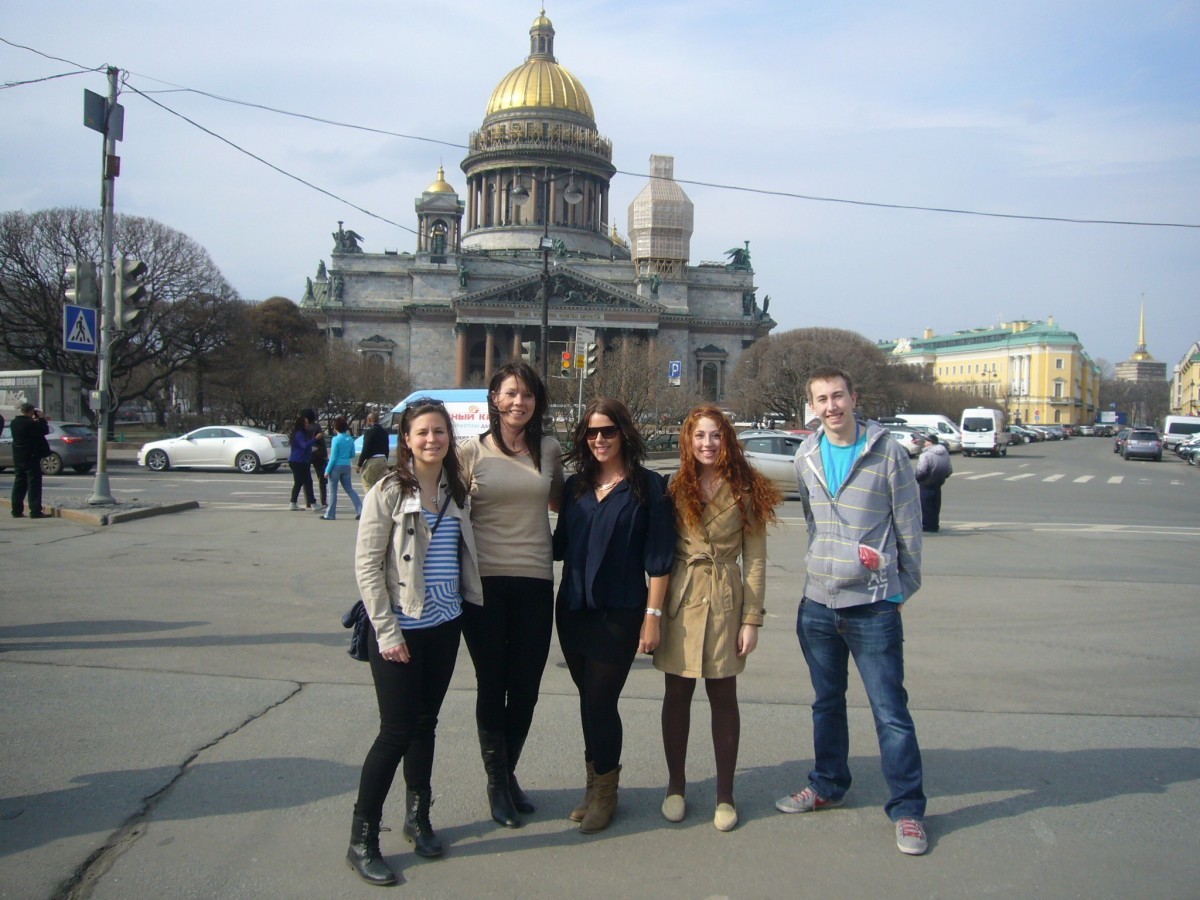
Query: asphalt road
x=181, y=720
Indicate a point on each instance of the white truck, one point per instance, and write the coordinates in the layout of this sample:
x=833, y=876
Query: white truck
x=984, y=431
x=947, y=431
x=57, y=395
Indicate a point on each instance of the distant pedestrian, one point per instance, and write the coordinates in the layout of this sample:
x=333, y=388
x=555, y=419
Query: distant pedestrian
x=29, y=447
x=933, y=468
x=320, y=458
x=863, y=563
x=341, y=456
x=416, y=565
x=300, y=461
x=373, y=460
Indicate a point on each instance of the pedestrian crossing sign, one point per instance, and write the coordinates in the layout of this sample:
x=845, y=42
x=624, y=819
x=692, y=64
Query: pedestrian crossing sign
x=79, y=329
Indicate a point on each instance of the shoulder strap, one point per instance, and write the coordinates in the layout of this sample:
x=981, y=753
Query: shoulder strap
x=441, y=512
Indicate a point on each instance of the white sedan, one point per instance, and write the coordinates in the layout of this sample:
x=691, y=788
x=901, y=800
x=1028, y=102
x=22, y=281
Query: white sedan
x=238, y=447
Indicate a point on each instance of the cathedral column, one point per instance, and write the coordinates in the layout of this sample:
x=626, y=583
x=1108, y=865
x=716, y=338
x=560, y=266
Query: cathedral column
x=460, y=359
x=489, y=351
x=604, y=205
x=516, y=344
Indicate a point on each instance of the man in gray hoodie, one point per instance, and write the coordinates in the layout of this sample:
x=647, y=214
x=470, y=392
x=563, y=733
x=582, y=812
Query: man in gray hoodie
x=864, y=561
x=933, y=468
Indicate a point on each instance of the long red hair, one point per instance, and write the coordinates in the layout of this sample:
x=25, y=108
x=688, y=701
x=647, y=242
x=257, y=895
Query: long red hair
x=743, y=479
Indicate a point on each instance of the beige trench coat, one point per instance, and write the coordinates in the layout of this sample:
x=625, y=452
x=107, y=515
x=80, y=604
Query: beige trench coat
x=711, y=596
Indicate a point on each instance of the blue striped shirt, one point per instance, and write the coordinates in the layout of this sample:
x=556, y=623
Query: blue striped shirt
x=443, y=599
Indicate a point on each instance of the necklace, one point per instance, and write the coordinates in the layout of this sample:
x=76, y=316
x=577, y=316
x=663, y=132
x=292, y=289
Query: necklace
x=610, y=484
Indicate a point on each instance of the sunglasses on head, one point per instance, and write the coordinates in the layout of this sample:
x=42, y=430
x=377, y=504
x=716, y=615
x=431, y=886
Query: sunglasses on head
x=608, y=432
x=425, y=401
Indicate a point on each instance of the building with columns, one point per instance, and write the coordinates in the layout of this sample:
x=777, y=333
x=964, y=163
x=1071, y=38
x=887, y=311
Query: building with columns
x=1037, y=372
x=535, y=210
x=1141, y=367
x=1185, y=385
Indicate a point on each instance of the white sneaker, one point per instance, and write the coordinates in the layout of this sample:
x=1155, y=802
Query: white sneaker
x=294, y=506
x=910, y=836
x=319, y=508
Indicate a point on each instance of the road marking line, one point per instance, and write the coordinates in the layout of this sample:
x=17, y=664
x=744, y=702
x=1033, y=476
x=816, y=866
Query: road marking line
x=1053, y=477
x=1021, y=476
x=1116, y=479
x=1083, y=479
x=985, y=475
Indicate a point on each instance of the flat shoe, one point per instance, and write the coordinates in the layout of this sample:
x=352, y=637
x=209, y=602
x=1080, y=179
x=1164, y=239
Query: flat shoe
x=674, y=808
x=726, y=817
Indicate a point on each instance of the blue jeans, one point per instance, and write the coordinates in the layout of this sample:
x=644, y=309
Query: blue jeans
x=341, y=475
x=874, y=635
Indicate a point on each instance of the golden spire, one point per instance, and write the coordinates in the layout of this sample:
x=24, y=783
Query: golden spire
x=1141, y=352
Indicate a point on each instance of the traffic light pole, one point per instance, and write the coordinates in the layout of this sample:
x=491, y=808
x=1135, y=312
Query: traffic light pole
x=544, y=190
x=101, y=495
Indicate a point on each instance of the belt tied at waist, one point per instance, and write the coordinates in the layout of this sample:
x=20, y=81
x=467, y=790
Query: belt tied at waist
x=721, y=585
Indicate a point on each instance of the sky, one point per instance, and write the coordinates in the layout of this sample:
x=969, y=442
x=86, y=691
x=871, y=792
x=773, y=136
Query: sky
x=1068, y=109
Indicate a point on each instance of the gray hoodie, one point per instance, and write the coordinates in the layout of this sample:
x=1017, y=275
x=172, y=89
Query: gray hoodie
x=877, y=505
x=933, y=468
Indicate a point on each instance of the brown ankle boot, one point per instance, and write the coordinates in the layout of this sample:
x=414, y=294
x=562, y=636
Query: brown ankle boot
x=580, y=811
x=604, y=803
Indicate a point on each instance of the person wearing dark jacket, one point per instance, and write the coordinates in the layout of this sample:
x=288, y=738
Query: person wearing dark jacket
x=933, y=468
x=29, y=446
x=300, y=461
x=373, y=460
x=616, y=529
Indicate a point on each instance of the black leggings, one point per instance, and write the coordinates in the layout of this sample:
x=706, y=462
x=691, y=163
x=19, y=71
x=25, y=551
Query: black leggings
x=509, y=641
x=726, y=730
x=410, y=697
x=600, y=683
x=302, y=478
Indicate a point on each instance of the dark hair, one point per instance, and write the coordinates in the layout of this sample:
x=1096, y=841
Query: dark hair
x=931, y=437
x=27, y=408
x=633, y=448
x=828, y=373
x=535, y=429
x=301, y=423
x=403, y=473
x=340, y=424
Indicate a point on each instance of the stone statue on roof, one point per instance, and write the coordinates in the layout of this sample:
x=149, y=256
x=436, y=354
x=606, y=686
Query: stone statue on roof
x=739, y=258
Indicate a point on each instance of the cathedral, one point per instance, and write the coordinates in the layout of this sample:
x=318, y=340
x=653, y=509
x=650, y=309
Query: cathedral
x=534, y=224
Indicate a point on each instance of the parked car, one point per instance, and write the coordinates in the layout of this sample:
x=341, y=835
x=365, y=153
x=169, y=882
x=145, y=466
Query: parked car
x=72, y=445
x=238, y=447
x=1018, y=435
x=1119, y=441
x=1142, y=444
x=1189, y=450
x=910, y=439
x=773, y=453
x=1087, y=430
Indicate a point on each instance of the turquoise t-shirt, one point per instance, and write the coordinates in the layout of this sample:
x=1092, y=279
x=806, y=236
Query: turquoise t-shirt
x=837, y=462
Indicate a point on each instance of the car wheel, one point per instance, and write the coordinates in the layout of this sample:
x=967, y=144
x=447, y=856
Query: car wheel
x=247, y=462
x=1124, y=456
x=52, y=464
x=83, y=468
x=156, y=461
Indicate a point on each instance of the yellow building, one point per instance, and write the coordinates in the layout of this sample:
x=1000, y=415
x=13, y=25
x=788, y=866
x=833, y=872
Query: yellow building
x=1036, y=372
x=1185, y=386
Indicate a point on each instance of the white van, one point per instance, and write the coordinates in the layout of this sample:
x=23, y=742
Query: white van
x=1177, y=429
x=947, y=431
x=984, y=431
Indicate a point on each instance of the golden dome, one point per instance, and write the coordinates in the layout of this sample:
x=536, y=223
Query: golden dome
x=440, y=186
x=540, y=83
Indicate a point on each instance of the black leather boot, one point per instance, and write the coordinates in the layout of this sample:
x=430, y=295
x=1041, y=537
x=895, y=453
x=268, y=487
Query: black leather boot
x=520, y=799
x=494, y=748
x=416, y=824
x=364, y=856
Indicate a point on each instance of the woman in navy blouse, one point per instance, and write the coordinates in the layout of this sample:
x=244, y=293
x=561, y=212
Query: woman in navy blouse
x=615, y=528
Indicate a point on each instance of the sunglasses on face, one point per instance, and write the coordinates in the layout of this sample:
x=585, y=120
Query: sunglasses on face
x=608, y=432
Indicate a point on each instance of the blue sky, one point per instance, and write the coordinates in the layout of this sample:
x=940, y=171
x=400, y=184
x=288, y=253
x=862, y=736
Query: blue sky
x=1058, y=109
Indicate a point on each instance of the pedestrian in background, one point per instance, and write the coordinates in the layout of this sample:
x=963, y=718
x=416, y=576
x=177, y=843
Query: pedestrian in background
x=615, y=529
x=933, y=468
x=515, y=474
x=320, y=458
x=29, y=448
x=373, y=460
x=341, y=456
x=714, y=605
x=416, y=565
x=300, y=460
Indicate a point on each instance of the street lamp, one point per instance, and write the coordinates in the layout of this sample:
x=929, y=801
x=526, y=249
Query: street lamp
x=520, y=196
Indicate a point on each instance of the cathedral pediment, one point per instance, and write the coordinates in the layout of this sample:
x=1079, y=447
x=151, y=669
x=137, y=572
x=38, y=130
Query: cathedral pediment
x=569, y=289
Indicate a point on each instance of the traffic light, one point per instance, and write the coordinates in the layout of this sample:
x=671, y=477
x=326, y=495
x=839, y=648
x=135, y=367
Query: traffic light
x=592, y=353
x=83, y=290
x=566, y=361
x=529, y=352
x=132, y=295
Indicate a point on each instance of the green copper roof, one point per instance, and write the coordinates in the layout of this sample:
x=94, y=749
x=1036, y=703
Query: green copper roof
x=985, y=339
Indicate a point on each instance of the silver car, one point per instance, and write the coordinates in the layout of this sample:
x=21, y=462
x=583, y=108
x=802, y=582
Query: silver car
x=72, y=445
x=238, y=447
x=773, y=453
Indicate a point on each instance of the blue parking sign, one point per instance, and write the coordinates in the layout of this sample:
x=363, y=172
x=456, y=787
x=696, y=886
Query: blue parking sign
x=79, y=329
x=675, y=368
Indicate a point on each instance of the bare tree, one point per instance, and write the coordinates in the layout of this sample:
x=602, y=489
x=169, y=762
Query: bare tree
x=189, y=313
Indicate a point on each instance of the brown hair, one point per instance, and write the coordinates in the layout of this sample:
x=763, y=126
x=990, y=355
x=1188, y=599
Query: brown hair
x=451, y=467
x=758, y=495
x=534, y=429
x=828, y=373
x=633, y=448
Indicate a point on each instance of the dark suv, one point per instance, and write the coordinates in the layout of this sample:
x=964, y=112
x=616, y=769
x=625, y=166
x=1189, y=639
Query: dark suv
x=1144, y=444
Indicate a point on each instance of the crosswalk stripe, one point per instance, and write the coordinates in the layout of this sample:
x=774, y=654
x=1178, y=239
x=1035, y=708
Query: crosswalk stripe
x=1116, y=479
x=985, y=475
x=1053, y=477
x=1084, y=479
x=1020, y=477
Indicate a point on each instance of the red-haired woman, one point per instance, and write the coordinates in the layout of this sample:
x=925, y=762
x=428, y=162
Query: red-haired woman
x=714, y=605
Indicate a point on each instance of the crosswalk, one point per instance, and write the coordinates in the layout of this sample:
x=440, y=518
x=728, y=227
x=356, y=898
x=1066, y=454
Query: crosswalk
x=1053, y=477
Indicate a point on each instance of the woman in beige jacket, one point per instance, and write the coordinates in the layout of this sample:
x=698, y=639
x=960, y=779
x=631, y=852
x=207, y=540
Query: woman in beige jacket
x=715, y=598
